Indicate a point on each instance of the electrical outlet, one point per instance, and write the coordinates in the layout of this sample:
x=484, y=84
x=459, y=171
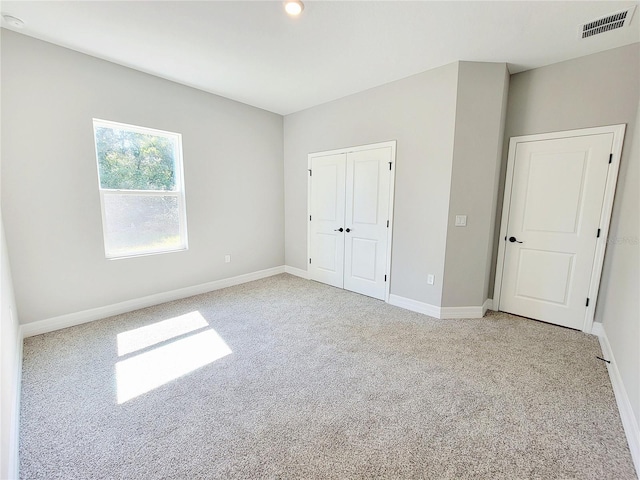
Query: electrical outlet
x=461, y=220
x=430, y=279
x=227, y=258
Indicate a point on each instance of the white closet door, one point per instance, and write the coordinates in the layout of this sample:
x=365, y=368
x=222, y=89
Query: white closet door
x=367, y=213
x=326, y=242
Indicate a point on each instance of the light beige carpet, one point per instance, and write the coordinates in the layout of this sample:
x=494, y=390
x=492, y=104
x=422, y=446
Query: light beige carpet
x=320, y=383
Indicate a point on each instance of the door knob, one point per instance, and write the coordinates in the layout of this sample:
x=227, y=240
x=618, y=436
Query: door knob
x=514, y=239
x=348, y=230
x=338, y=229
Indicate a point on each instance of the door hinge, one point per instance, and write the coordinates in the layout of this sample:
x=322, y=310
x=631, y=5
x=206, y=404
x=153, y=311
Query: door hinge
x=309, y=261
x=587, y=302
x=309, y=217
x=390, y=165
x=385, y=278
x=598, y=235
x=310, y=173
x=610, y=157
x=387, y=223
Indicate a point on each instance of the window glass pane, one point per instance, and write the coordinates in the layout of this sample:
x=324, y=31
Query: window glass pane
x=148, y=215
x=130, y=160
x=138, y=224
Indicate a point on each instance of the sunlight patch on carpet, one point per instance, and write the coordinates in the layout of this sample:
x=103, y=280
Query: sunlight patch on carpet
x=143, y=337
x=149, y=370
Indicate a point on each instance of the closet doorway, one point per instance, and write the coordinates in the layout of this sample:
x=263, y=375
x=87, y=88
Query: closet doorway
x=350, y=209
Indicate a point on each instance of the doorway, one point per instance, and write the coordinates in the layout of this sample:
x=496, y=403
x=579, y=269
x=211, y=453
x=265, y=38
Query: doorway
x=556, y=211
x=350, y=210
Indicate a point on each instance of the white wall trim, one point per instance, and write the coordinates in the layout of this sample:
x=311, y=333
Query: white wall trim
x=14, y=441
x=487, y=305
x=298, y=272
x=435, y=311
x=461, y=312
x=414, y=305
x=597, y=329
x=356, y=148
x=77, y=318
x=629, y=421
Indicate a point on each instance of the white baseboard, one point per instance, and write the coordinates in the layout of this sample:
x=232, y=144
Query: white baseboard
x=435, y=311
x=629, y=421
x=597, y=329
x=298, y=272
x=414, y=305
x=487, y=305
x=85, y=316
x=461, y=312
x=14, y=441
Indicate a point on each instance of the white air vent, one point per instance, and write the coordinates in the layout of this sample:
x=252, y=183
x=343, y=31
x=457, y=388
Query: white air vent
x=604, y=24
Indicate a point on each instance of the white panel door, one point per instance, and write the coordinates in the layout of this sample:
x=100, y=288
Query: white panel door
x=367, y=213
x=557, y=196
x=326, y=242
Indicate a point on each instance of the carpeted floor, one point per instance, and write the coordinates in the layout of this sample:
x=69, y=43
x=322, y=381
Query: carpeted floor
x=312, y=382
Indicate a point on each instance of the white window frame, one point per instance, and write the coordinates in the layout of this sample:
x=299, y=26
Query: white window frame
x=178, y=192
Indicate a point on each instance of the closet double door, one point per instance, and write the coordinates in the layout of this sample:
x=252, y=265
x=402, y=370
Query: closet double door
x=350, y=208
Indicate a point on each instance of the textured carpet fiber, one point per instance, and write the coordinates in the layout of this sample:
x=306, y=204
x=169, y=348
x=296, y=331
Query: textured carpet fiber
x=320, y=383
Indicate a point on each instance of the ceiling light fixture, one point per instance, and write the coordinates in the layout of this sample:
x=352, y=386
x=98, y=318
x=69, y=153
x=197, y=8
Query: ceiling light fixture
x=13, y=21
x=293, y=7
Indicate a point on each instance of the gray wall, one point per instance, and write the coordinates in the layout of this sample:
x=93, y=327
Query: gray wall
x=591, y=91
x=448, y=123
x=418, y=112
x=10, y=363
x=233, y=179
x=596, y=90
x=9, y=366
x=618, y=306
x=477, y=153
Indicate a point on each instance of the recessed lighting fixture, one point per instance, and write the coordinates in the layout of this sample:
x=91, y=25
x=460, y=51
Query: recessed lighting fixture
x=13, y=21
x=293, y=7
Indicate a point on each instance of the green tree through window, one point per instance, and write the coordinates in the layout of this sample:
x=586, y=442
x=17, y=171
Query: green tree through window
x=141, y=192
x=134, y=161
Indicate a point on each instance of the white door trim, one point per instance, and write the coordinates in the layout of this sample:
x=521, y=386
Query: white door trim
x=392, y=182
x=605, y=216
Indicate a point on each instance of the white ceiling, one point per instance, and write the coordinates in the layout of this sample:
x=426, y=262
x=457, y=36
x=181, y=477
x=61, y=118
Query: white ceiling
x=254, y=53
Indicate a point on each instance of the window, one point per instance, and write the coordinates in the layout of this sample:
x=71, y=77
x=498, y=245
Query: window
x=141, y=189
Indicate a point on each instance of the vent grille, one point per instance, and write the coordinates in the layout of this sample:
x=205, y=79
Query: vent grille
x=605, y=24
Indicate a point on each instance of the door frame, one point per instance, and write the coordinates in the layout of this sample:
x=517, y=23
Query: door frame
x=392, y=183
x=605, y=215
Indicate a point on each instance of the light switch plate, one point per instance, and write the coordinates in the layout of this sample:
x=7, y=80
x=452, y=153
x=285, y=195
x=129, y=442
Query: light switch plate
x=461, y=220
